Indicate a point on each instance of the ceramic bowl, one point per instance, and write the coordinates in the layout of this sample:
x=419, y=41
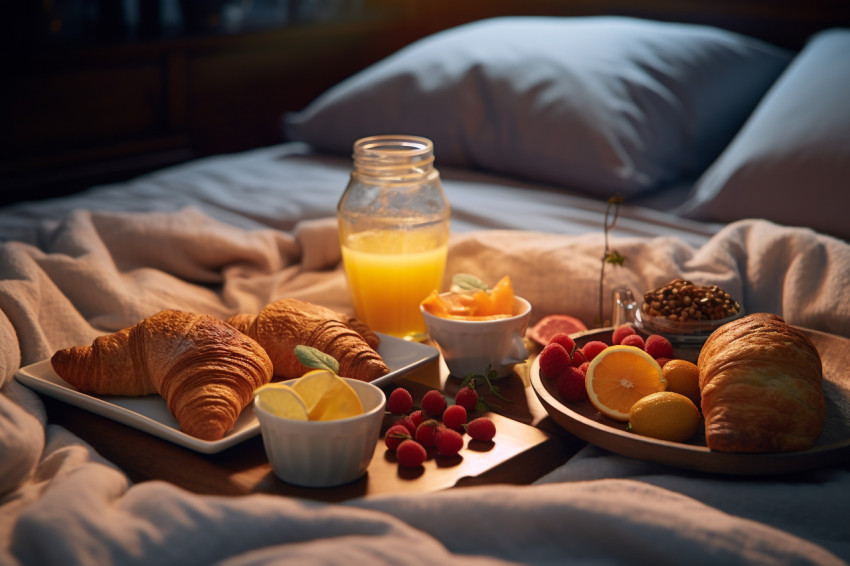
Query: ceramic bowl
x=324, y=453
x=473, y=346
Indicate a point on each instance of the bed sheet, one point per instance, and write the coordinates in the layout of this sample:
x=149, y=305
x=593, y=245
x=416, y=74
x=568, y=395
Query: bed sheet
x=278, y=186
x=229, y=234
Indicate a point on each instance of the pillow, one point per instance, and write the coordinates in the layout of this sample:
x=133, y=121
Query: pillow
x=791, y=161
x=599, y=104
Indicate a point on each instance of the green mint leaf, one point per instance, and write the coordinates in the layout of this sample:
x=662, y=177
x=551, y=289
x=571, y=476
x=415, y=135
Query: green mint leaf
x=466, y=282
x=313, y=358
x=614, y=257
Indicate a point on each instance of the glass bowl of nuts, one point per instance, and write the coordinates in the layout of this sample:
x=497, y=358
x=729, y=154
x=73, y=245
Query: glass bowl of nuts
x=685, y=312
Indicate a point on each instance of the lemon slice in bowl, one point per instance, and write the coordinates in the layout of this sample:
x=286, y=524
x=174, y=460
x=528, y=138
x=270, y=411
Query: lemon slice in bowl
x=327, y=396
x=619, y=376
x=313, y=386
x=282, y=401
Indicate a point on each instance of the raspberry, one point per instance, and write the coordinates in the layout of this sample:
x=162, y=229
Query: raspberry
x=662, y=361
x=658, y=346
x=592, y=349
x=449, y=442
x=400, y=401
x=433, y=403
x=407, y=423
x=482, y=429
x=415, y=419
x=426, y=433
x=564, y=340
x=395, y=435
x=410, y=454
x=583, y=367
x=633, y=340
x=454, y=417
x=467, y=398
x=571, y=385
x=553, y=360
x=621, y=332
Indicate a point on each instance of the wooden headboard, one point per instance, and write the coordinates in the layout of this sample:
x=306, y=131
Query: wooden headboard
x=787, y=23
x=85, y=103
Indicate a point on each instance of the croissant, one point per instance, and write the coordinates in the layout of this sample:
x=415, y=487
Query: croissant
x=761, y=386
x=205, y=370
x=286, y=323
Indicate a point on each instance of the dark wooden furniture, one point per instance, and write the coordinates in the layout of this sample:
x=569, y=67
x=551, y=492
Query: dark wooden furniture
x=90, y=102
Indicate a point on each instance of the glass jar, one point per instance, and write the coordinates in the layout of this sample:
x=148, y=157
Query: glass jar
x=394, y=232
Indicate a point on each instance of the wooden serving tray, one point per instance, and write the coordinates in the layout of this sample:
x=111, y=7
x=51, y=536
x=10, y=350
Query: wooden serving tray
x=833, y=447
x=519, y=454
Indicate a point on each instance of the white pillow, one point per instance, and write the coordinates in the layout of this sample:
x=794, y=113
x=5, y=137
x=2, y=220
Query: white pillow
x=598, y=104
x=791, y=161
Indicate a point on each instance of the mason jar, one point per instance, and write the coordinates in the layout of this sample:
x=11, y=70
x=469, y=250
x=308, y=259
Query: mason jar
x=394, y=231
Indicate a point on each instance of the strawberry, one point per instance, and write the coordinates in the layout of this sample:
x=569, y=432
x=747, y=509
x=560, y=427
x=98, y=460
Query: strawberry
x=633, y=340
x=621, y=332
x=571, y=385
x=434, y=403
x=410, y=454
x=426, y=433
x=400, y=401
x=578, y=358
x=415, y=419
x=554, y=359
x=467, y=398
x=395, y=435
x=658, y=346
x=564, y=340
x=591, y=350
x=407, y=423
x=481, y=428
x=448, y=441
x=454, y=417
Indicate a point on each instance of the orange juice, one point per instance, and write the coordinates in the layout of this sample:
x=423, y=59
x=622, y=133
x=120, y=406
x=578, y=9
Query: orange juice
x=390, y=272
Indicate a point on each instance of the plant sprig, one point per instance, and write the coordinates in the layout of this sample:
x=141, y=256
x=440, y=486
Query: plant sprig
x=612, y=213
x=488, y=377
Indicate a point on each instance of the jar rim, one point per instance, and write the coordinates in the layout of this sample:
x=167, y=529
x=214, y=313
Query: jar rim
x=400, y=145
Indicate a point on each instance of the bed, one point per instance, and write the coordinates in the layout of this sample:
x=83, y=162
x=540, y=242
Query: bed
x=732, y=156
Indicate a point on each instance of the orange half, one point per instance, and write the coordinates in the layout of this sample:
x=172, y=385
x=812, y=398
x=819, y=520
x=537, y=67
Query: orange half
x=619, y=377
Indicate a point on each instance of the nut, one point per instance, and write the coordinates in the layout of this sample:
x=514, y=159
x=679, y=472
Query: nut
x=682, y=301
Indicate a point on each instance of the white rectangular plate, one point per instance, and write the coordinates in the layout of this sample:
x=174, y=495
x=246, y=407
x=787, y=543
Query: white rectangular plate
x=150, y=413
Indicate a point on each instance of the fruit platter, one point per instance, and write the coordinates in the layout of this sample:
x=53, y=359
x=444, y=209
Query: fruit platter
x=580, y=417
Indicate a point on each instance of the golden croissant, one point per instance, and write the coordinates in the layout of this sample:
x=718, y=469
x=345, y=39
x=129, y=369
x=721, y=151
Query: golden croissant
x=205, y=370
x=761, y=386
x=286, y=323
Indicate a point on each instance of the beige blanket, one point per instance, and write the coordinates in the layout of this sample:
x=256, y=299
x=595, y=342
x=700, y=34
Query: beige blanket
x=61, y=503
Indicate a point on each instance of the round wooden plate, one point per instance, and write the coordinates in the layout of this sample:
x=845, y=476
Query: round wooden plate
x=833, y=447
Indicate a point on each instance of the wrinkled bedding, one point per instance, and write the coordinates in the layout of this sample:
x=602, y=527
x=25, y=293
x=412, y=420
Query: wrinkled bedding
x=224, y=236
x=732, y=156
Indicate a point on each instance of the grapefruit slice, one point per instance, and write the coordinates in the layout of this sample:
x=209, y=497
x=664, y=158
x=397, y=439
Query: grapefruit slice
x=549, y=326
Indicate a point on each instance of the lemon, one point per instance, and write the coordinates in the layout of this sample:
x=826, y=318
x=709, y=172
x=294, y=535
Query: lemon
x=281, y=401
x=665, y=415
x=327, y=396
